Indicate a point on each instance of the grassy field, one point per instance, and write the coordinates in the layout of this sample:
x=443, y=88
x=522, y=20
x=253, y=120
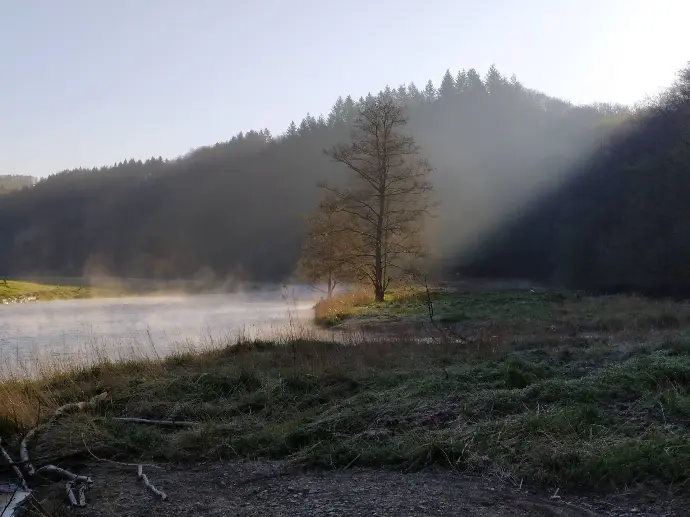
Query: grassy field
x=542, y=388
x=512, y=311
x=15, y=290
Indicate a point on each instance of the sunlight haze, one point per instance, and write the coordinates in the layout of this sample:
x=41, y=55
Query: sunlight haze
x=88, y=83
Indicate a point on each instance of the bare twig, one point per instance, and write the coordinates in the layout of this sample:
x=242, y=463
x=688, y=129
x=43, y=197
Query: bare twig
x=106, y=460
x=166, y=423
x=431, y=311
x=153, y=345
x=352, y=462
x=429, y=302
x=142, y=477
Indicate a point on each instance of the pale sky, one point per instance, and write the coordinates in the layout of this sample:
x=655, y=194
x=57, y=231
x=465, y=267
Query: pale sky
x=93, y=82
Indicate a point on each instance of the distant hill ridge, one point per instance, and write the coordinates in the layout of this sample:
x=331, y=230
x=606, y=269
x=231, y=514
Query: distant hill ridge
x=235, y=209
x=10, y=182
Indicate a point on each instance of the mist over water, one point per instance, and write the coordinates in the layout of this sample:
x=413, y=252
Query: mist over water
x=76, y=330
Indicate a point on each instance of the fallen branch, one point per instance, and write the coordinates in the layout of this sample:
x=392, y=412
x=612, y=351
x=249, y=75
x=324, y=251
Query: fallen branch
x=80, y=406
x=82, y=495
x=64, y=474
x=73, y=500
x=70, y=493
x=166, y=423
x=142, y=477
x=120, y=463
x=14, y=467
x=72, y=480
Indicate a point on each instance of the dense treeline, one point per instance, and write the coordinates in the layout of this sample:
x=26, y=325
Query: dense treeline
x=10, y=182
x=621, y=223
x=237, y=208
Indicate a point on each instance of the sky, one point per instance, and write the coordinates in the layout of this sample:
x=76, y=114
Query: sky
x=92, y=82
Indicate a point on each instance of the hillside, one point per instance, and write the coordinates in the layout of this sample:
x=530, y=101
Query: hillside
x=236, y=208
x=622, y=221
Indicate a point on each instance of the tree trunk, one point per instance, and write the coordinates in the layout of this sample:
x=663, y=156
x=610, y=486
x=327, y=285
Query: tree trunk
x=379, y=286
x=379, y=293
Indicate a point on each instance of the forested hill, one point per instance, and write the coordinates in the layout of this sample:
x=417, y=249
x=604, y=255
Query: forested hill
x=10, y=182
x=620, y=223
x=237, y=207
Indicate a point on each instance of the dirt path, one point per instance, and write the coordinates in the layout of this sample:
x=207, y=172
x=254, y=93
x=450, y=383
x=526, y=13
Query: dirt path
x=268, y=489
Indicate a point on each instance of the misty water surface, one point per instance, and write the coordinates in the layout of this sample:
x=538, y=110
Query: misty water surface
x=78, y=330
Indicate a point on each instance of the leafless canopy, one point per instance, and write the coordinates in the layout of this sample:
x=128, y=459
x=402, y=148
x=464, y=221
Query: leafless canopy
x=325, y=247
x=386, y=196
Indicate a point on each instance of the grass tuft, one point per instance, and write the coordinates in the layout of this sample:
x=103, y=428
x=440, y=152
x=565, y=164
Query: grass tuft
x=341, y=306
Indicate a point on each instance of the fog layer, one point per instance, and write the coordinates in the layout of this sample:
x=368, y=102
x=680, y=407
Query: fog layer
x=82, y=330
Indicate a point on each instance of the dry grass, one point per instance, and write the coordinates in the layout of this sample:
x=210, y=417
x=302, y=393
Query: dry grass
x=340, y=306
x=356, y=302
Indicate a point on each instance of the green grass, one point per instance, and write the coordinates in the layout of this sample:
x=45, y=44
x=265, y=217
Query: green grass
x=521, y=311
x=11, y=290
x=599, y=417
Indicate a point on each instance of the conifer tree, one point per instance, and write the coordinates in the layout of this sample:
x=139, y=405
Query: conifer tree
x=461, y=81
x=292, y=129
x=429, y=91
x=447, y=88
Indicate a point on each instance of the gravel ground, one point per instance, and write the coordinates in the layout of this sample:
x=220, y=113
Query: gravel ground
x=270, y=489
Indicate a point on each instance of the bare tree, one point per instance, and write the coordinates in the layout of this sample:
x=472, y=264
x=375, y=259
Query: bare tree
x=386, y=196
x=324, y=249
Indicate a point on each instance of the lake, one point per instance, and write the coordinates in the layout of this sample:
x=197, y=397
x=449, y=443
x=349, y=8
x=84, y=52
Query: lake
x=84, y=330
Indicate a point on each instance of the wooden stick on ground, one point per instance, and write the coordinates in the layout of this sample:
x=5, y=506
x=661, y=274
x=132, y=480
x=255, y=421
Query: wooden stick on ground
x=65, y=474
x=142, y=477
x=167, y=423
x=70, y=493
x=14, y=467
x=80, y=406
x=69, y=489
x=82, y=494
x=73, y=480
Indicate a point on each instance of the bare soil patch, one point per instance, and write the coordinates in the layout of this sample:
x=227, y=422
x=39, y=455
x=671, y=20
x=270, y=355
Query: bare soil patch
x=270, y=489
